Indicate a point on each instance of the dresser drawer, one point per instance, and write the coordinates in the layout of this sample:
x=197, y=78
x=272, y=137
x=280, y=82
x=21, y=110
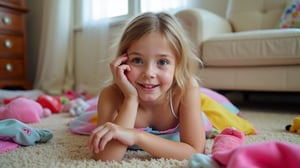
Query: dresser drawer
x=13, y=56
x=11, y=45
x=10, y=21
x=11, y=68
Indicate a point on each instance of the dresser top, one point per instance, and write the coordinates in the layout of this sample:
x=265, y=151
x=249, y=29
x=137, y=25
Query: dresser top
x=19, y=5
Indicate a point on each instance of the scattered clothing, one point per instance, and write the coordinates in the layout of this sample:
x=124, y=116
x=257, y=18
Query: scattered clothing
x=221, y=118
x=20, y=133
x=228, y=151
x=6, y=146
x=263, y=155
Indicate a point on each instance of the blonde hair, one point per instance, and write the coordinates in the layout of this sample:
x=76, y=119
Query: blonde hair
x=186, y=61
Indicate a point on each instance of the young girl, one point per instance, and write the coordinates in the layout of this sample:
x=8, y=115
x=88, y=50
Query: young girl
x=154, y=94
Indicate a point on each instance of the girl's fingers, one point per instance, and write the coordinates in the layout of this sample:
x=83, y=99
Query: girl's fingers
x=119, y=61
x=101, y=136
x=121, y=71
x=96, y=137
x=119, y=67
x=105, y=139
x=92, y=136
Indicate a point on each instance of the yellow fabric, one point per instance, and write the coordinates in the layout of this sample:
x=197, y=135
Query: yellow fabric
x=221, y=118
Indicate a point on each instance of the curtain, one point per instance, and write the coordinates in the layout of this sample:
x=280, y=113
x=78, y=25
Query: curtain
x=92, y=49
x=55, y=57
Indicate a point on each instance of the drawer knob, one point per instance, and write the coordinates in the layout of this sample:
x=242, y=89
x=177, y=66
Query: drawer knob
x=9, y=67
x=8, y=44
x=6, y=20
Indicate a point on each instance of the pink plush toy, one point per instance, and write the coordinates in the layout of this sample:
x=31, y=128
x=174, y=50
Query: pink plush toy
x=24, y=110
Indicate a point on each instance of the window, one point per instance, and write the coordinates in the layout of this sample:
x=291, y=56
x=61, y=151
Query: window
x=109, y=8
x=117, y=8
x=161, y=5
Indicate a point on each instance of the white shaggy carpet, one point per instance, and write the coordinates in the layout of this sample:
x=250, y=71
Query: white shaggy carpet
x=69, y=150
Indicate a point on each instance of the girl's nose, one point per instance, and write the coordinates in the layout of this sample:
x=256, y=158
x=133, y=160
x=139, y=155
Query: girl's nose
x=149, y=71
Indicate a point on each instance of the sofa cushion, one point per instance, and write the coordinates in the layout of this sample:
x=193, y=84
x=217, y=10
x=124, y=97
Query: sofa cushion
x=291, y=16
x=253, y=48
x=245, y=15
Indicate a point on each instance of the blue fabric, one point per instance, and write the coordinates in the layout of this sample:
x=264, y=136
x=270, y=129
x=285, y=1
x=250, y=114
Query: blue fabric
x=18, y=132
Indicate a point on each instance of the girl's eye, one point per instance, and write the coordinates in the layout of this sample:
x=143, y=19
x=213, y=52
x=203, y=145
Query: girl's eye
x=163, y=62
x=137, y=61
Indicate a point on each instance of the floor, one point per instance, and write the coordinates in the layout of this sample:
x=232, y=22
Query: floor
x=267, y=101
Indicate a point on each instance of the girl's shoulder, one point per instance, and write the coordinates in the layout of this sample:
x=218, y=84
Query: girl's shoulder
x=111, y=93
x=191, y=85
x=192, y=88
x=111, y=89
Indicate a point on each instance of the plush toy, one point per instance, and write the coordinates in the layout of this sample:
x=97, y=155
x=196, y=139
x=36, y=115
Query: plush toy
x=24, y=110
x=78, y=106
x=295, y=127
x=54, y=104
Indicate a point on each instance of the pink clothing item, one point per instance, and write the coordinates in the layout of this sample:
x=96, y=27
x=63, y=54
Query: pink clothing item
x=262, y=155
x=221, y=99
x=214, y=95
x=6, y=146
x=228, y=139
x=93, y=104
x=228, y=151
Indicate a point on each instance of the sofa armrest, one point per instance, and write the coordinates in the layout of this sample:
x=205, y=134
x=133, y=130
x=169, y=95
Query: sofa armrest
x=202, y=24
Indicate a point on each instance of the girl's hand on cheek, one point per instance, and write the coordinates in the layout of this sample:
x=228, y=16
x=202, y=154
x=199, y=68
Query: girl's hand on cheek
x=119, y=68
x=103, y=134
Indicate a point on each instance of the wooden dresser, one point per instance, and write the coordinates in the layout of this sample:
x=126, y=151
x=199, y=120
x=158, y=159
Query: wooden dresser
x=13, y=49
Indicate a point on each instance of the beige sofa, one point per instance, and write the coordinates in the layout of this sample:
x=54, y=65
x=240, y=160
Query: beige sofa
x=245, y=51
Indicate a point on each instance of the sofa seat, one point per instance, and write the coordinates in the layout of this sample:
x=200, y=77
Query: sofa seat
x=252, y=78
x=253, y=48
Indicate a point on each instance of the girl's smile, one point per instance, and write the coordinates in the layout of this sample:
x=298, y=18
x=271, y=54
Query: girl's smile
x=148, y=87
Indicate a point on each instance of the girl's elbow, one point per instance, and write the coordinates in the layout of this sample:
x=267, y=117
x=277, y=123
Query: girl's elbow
x=201, y=148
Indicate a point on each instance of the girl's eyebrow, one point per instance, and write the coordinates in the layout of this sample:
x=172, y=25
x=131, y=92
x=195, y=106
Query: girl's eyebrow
x=134, y=53
x=139, y=54
x=165, y=55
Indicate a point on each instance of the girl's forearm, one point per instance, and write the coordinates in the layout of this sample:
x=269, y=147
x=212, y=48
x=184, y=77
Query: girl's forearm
x=115, y=150
x=160, y=147
x=127, y=113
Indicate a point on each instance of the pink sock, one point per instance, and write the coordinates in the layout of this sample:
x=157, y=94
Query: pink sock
x=229, y=138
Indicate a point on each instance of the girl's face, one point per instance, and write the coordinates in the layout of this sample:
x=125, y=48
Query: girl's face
x=152, y=63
